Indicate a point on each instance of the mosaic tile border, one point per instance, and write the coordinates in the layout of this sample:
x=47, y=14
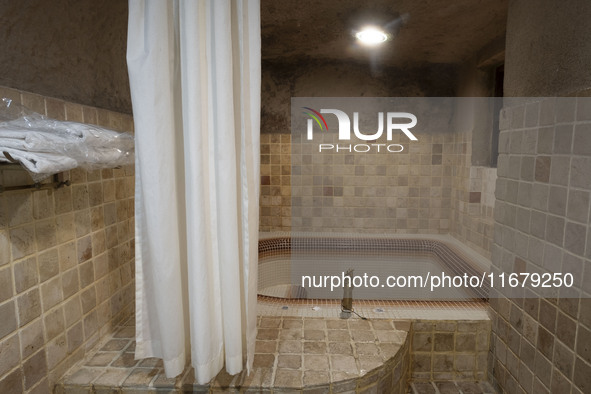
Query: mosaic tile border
x=449, y=257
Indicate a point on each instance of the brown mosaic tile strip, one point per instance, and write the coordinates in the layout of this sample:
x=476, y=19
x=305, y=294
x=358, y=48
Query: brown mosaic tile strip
x=376, y=303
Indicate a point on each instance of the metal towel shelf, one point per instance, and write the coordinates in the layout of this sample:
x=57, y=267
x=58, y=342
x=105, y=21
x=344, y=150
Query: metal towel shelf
x=57, y=183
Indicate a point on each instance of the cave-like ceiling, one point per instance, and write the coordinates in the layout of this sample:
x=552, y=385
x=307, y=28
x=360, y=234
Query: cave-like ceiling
x=424, y=31
x=76, y=50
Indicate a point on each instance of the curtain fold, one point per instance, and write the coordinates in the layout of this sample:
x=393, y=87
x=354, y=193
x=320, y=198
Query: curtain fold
x=194, y=69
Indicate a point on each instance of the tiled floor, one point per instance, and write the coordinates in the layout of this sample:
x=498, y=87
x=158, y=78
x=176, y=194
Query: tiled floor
x=113, y=366
x=325, y=350
x=291, y=353
x=451, y=388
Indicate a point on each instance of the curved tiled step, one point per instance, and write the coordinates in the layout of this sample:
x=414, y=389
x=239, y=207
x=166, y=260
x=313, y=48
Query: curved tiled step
x=308, y=355
x=327, y=355
x=312, y=355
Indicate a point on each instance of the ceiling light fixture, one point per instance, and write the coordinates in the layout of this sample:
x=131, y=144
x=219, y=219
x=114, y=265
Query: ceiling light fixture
x=371, y=36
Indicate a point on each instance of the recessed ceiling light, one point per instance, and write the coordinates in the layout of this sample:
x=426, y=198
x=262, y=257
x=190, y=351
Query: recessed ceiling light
x=371, y=36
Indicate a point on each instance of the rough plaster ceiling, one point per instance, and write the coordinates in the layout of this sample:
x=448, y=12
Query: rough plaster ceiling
x=435, y=31
x=76, y=49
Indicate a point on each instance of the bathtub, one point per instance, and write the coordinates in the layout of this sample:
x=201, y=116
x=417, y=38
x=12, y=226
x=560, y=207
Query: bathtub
x=291, y=267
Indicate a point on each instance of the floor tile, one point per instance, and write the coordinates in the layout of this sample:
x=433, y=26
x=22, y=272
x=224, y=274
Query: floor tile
x=290, y=352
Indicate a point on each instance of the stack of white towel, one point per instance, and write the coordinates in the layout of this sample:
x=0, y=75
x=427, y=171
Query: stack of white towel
x=47, y=146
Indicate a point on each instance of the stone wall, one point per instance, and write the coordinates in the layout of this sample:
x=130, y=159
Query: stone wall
x=66, y=259
x=449, y=350
x=541, y=340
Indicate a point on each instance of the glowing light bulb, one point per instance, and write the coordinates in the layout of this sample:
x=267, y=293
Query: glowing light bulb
x=371, y=36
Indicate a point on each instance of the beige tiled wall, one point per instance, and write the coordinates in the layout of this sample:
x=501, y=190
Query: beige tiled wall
x=449, y=350
x=66, y=260
x=542, y=224
x=473, y=198
x=430, y=187
x=275, y=198
x=407, y=192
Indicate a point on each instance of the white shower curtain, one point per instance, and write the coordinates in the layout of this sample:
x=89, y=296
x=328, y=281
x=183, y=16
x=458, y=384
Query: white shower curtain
x=194, y=70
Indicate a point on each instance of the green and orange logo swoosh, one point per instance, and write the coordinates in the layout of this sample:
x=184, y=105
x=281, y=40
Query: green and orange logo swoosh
x=317, y=117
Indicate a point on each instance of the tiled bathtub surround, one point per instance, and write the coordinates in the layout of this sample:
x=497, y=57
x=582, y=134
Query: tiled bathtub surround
x=66, y=260
x=449, y=350
x=542, y=214
x=281, y=249
x=405, y=310
x=430, y=187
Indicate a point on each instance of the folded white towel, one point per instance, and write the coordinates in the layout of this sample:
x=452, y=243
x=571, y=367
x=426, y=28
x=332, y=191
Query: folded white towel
x=41, y=163
x=47, y=146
